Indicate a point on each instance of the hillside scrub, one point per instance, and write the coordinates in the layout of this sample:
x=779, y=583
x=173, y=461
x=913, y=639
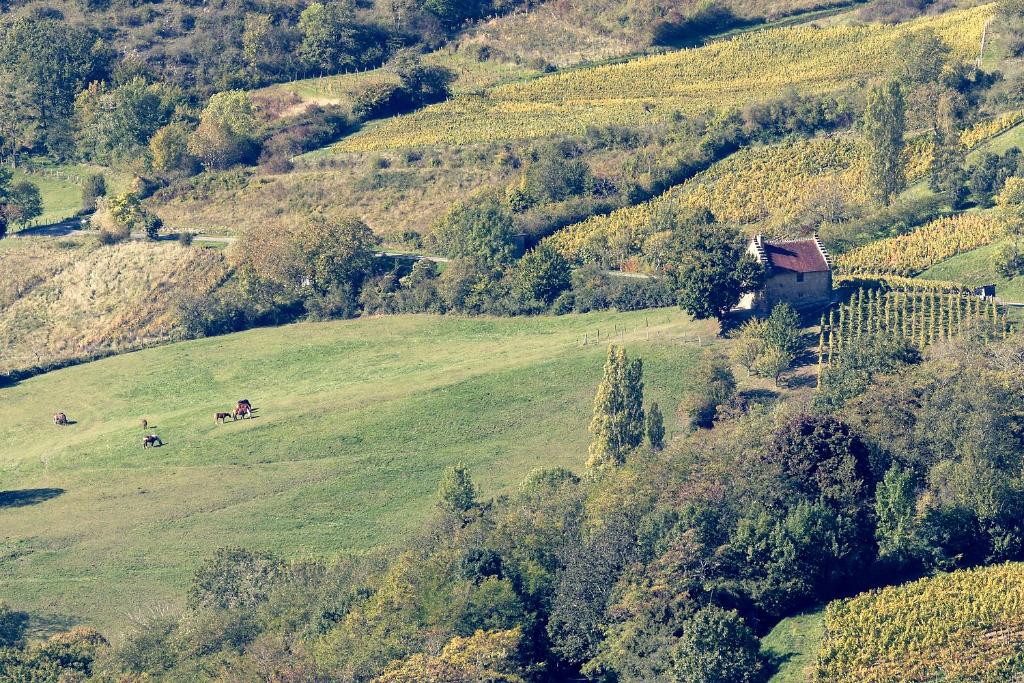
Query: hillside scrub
x=74, y=300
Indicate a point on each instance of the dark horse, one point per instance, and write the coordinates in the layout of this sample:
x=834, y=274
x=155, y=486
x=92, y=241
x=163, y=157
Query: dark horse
x=151, y=440
x=243, y=409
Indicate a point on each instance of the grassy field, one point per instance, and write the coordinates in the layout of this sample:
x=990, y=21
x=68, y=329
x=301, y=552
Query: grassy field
x=61, y=189
x=976, y=268
x=355, y=421
x=793, y=646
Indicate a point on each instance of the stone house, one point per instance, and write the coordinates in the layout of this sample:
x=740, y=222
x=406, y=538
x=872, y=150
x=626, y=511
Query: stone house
x=799, y=272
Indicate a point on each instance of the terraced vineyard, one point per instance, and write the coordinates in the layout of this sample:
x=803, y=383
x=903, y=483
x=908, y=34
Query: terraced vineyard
x=763, y=185
x=964, y=626
x=924, y=247
x=721, y=75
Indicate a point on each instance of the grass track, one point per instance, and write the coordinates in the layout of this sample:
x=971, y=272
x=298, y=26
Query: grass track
x=356, y=421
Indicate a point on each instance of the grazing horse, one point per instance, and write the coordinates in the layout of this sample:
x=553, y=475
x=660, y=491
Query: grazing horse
x=145, y=423
x=60, y=419
x=242, y=412
x=151, y=440
x=221, y=417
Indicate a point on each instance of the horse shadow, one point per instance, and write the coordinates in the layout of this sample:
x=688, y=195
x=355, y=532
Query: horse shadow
x=25, y=497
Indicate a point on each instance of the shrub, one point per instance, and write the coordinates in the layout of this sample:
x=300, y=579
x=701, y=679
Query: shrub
x=95, y=186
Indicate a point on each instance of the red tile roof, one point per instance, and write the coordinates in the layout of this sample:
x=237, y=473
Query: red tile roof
x=798, y=256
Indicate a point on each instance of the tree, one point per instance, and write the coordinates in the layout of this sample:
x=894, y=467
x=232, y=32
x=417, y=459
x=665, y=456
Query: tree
x=1011, y=207
x=227, y=130
x=456, y=493
x=423, y=84
x=481, y=229
x=94, y=186
x=782, y=329
x=234, y=577
x=922, y=55
x=655, y=427
x=51, y=61
x=20, y=201
x=716, y=647
x=114, y=124
x=713, y=384
x=543, y=273
x=555, y=173
x=884, y=126
x=484, y=656
x=772, y=362
x=23, y=202
x=169, y=150
x=713, y=270
x=945, y=173
x=749, y=344
x=895, y=510
x=256, y=37
x=618, y=422
x=328, y=36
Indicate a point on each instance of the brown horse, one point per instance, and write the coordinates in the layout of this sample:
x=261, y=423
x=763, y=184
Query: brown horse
x=151, y=440
x=242, y=412
x=221, y=417
x=145, y=423
x=60, y=419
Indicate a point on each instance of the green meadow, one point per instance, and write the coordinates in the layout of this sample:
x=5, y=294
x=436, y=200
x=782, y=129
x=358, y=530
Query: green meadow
x=355, y=421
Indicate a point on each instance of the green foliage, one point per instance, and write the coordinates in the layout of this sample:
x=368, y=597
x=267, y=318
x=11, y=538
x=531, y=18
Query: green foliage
x=713, y=384
x=169, y=150
x=20, y=201
x=782, y=329
x=114, y=124
x=227, y=131
x=716, y=647
x=884, y=126
x=772, y=363
x=543, y=274
x=94, y=186
x=50, y=61
x=484, y=656
x=456, y=493
x=480, y=229
x=617, y=426
x=234, y=577
x=895, y=508
x=713, y=270
x=1008, y=261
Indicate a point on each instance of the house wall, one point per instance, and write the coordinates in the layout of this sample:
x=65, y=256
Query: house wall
x=815, y=290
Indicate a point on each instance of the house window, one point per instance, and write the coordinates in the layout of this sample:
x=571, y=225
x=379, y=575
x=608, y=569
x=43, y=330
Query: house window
x=799, y=277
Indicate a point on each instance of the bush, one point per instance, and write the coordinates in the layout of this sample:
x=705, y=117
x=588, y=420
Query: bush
x=95, y=186
x=1009, y=261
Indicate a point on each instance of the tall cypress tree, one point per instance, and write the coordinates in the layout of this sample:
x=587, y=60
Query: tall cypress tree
x=618, y=422
x=884, y=126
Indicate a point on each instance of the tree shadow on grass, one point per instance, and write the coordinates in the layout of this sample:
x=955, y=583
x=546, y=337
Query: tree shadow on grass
x=17, y=499
x=44, y=625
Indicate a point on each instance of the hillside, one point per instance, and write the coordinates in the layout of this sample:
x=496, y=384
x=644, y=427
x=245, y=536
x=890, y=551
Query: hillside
x=73, y=299
x=690, y=82
x=355, y=422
